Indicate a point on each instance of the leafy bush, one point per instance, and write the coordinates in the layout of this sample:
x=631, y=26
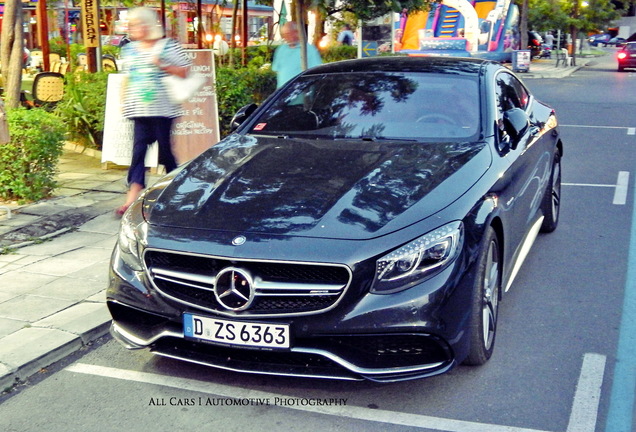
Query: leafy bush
x=256, y=56
x=83, y=107
x=238, y=87
x=338, y=52
x=28, y=163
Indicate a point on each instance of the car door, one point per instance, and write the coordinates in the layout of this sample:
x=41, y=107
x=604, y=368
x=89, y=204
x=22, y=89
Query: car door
x=529, y=158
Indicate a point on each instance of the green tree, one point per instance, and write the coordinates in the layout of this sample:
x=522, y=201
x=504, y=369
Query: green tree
x=598, y=14
x=544, y=15
x=572, y=16
x=369, y=9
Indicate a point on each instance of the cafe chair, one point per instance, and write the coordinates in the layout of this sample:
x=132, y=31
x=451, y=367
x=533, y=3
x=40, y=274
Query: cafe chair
x=48, y=89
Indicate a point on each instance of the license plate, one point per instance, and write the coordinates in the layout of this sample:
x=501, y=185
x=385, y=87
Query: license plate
x=253, y=334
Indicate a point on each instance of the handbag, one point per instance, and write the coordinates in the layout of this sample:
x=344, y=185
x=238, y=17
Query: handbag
x=180, y=89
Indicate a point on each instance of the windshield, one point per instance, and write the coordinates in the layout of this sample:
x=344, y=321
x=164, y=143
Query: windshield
x=373, y=105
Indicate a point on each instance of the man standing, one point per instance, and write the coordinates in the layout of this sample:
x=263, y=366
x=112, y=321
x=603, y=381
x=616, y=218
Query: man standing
x=345, y=37
x=287, y=63
x=549, y=40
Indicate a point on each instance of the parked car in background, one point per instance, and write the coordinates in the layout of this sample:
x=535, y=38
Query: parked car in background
x=363, y=223
x=616, y=41
x=597, y=39
x=535, y=44
x=626, y=56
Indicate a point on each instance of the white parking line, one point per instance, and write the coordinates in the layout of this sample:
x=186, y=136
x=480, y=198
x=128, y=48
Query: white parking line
x=582, y=418
x=588, y=394
x=620, y=194
x=629, y=129
x=620, y=188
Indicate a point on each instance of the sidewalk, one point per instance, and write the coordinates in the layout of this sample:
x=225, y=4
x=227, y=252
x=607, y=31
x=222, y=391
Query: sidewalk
x=54, y=257
x=546, y=68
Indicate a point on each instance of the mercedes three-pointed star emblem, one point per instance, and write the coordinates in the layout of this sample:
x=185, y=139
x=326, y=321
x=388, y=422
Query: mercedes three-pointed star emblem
x=234, y=289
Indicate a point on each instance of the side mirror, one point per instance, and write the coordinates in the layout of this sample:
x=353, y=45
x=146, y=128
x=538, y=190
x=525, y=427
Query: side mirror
x=515, y=124
x=241, y=115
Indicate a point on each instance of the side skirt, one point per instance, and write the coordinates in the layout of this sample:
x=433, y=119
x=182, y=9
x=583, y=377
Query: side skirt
x=525, y=249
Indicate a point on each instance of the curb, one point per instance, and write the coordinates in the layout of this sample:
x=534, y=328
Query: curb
x=30, y=350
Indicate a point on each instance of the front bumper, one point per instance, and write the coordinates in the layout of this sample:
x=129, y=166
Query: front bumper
x=415, y=333
x=375, y=357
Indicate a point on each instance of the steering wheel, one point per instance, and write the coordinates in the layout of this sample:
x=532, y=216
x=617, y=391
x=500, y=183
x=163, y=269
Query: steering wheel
x=436, y=118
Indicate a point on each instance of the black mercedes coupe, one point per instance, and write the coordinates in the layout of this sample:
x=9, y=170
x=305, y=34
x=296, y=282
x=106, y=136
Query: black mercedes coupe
x=364, y=222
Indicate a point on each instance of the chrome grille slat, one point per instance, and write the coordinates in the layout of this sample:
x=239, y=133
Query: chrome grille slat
x=209, y=280
x=280, y=288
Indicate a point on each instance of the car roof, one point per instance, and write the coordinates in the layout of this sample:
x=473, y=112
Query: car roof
x=430, y=64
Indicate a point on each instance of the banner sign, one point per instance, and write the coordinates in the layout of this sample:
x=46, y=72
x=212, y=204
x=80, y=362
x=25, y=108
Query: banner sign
x=90, y=23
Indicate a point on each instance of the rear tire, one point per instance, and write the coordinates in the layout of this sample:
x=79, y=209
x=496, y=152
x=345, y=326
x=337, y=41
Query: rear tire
x=551, y=205
x=485, y=303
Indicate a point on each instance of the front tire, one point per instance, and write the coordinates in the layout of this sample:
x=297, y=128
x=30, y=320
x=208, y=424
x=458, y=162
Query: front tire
x=485, y=303
x=551, y=206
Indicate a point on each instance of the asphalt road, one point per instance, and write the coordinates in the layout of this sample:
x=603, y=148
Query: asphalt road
x=554, y=366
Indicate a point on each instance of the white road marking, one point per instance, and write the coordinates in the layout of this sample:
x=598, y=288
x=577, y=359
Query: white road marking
x=589, y=185
x=588, y=394
x=631, y=131
x=620, y=188
x=584, y=407
x=599, y=127
x=620, y=194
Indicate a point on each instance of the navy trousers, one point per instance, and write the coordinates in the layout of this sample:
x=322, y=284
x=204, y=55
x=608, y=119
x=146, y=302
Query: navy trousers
x=147, y=130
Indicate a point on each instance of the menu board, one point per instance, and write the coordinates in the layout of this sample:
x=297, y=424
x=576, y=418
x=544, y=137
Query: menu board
x=198, y=127
x=193, y=132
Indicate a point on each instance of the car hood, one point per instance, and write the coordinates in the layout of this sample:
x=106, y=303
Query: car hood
x=328, y=189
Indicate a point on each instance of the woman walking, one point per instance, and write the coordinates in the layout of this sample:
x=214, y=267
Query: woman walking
x=146, y=59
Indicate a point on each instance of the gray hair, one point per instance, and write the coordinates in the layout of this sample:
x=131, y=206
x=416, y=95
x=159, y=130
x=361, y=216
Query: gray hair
x=147, y=17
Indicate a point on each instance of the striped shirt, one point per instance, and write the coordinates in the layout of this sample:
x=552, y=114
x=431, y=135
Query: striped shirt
x=145, y=94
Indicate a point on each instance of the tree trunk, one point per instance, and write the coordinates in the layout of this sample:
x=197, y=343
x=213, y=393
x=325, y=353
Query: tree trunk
x=523, y=25
x=233, y=37
x=4, y=126
x=11, y=56
x=302, y=32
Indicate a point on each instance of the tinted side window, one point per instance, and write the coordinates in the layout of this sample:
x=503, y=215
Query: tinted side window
x=510, y=93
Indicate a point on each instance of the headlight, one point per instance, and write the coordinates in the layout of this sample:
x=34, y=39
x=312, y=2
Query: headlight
x=418, y=259
x=131, y=233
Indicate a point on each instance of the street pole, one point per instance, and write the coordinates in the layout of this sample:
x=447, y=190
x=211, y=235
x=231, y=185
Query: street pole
x=43, y=34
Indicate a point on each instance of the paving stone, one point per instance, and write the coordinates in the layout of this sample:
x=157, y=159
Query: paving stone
x=64, y=243
x=70, y=288
x=8, y=326
x=22, y=282
x=32, y=307
x=56, y=266
x=87, y=320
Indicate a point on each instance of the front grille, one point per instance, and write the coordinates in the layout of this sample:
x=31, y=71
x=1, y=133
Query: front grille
x=279, y=288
